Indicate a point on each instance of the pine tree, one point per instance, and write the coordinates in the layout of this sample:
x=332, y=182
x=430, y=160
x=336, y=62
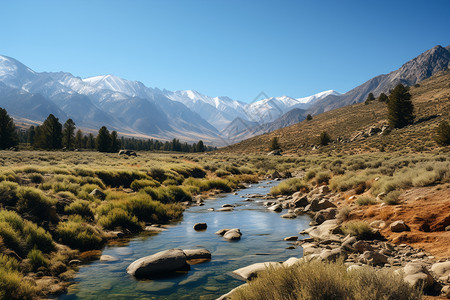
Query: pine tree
x=103, y=140
x=79, y=139
x=442, y=136
x=370, y=97
x=400, y=107
x=115, y=142
x=308, y=117
x=274, y=145
x=49, y=135
x=90, y=141
x=69, y=134
x=383, y=98
x=324, y=138
x=8, y=135
x=200, y=146
x=31, y=135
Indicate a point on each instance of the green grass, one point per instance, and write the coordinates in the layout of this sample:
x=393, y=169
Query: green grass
x=360, y=229
x=317, y=280
x=79, y=235
x=365, y=200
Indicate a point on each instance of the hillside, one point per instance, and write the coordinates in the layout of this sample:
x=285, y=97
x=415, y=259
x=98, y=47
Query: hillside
x=431, y=98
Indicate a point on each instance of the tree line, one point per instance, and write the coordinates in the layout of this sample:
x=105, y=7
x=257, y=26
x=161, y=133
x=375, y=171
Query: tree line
x=54, y=135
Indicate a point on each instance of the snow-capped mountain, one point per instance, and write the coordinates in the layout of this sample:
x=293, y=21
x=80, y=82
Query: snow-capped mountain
x=130, y=107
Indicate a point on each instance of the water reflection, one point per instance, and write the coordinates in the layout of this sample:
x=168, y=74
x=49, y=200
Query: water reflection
x=262, y=240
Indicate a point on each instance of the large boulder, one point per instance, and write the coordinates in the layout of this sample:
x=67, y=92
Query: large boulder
x=276, y=208
x=317, y=204
x=333, y=255
x=399, y=226
x=98, y=194
x=324, y=231
x=442, y=270
x=162, y=262
x=233, y=234
x=250, y=272
x=299, y=200
x=417, y=275
x=197, y=254
x=325, y=214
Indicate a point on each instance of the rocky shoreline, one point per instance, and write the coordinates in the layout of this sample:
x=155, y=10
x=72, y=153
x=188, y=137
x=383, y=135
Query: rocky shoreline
x=328, y=243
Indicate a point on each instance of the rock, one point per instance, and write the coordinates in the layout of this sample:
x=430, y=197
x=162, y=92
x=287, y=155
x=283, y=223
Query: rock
x=108, y=258
x=333, y=255
x=197, y=254
x=372, y=258
x=298, y=211
x=274, y=153
x=228, y=295
x=276, y=208
x=225, y=209
x=161, y=262
x=442, y=270
x=289, y=216
x=417, y=275
x=354, y=268
x=378, y=224
x=445, y=291
x=347, y=244
x=233, y=234
x=311, y=248
x=194, y=277
x=221, y=231
x=74, y=262
x=299, y=200
x=362, y=246
x=291, y=238
x=317, y=205
x=98, y=194
x=200, y=226
x=324, y=231
x=227, y=205
x=291, y=261
x=325, y=214
x=127, y=152
x=250, y=272
x=399, y=226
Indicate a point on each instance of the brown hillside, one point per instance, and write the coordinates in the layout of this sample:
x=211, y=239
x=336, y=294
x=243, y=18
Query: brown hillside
x=431, y=98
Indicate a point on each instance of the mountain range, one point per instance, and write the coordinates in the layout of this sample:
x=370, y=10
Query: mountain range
x=134, y=109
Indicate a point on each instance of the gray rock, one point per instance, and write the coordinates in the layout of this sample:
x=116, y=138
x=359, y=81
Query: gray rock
x=227, y=205
x=98, y=194
x=108, y=258
x=221, y=231
x=442, y=270
x=252, y=271
x=399, y=226
x=324, y=231
x=228, y=295
x=276, y=208
x=373, y=258
x=317, y=205
x=347, y=244
x=291, y=261
x=289, y=216
x=362, y=246
x=325, y=214
x=299, y=200
x=291, y=238
x=417, y=275
x=197, y=254
x=162, y=262
x=225, y=209
x=333, y=255
x=200, y=226
x=233, y=234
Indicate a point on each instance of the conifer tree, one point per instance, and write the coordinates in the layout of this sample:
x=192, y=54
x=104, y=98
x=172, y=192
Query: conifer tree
x=115, y=142
x=400, y=107
x=442, y=136
x=274, y=144
x=79, y=139
x=49, y=135
x=383, y=98
x=8, y=135
x=308, y=117
x=324, y=138
x=200, y=146
x=103, y=140
x=69, y=134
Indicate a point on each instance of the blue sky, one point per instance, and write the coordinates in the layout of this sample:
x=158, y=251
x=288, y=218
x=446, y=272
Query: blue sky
x=224, y=48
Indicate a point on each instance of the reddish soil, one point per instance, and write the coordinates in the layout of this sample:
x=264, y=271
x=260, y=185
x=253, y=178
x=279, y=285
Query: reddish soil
x=425, y=210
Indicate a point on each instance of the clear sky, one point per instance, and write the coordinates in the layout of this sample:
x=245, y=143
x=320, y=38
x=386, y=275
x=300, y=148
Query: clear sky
x=224, y=48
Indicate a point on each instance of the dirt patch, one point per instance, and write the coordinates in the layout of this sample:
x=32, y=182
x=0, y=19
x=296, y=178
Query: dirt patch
x=425, y=210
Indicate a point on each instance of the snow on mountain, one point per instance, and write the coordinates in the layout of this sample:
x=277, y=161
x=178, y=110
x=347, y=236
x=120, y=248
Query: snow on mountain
x=311, y=99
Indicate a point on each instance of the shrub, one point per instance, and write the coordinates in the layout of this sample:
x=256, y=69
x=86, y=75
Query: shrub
x=8, y=193
x=80, y=207
x=324, y=138
x=36, y=177
x=158, y=174
x=118, y=217
x=37, y=260
x=343, y=213
x=322, y=177
x=79, y=235
x=360, y=229
x=222, y=173
x=139, y=184
x=442, y=136
x=289, y=187
x=145, y=209
x=35, y=202
x=320, y=280
x=365, y=200
x=12, y=284
x=392, y=197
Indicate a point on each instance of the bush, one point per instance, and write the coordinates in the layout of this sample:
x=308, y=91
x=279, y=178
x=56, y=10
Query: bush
x=118, y=217
x=35, y=202
x=322, y=177
x=145, y=209
x=322, y=281
x=360, y=229
x=392, y=197
x=80, y=207
x=324, y=139
x=12, y=284
x=343, y=213
x=36, y=178
x=79, y=235
x=365, y=200
x=37, y=260
x=289, y=186
x=139, y=184
x=442, y=136
x=158, y=174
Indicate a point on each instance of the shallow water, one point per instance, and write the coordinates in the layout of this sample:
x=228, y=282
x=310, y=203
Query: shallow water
x=262, y=240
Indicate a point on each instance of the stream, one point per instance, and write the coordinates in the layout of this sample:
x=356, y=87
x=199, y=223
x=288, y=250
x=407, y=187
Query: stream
x=262, y=240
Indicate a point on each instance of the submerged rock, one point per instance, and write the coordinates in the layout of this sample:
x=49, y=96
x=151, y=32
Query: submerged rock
x=197, y=254
x=233, y=234
x=162, y=262
x=200, y=226
x=252, y=271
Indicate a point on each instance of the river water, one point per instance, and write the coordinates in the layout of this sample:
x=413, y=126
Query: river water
x=262, y=240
